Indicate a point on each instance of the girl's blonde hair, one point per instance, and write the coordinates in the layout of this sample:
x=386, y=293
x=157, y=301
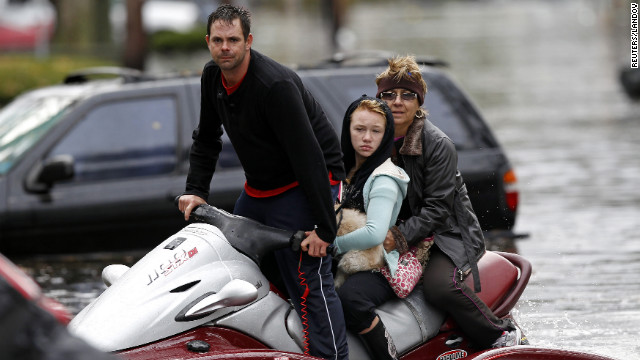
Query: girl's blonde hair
x=372, y=105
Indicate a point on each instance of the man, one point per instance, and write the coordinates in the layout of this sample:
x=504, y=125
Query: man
x=290, y=154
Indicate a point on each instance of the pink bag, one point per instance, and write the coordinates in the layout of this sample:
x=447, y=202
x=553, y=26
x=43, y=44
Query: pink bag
x=410, y=266
x=407, y=275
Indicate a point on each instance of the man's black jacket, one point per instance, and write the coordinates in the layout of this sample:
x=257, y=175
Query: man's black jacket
x=279, y=131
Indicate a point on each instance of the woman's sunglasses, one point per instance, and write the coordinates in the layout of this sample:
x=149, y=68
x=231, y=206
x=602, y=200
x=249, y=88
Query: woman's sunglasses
x=391, y=96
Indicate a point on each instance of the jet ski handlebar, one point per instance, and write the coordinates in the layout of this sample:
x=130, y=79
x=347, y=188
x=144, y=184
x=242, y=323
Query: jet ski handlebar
x=248, y=236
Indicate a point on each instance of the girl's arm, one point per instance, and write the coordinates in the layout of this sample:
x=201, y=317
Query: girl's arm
x=382, y=198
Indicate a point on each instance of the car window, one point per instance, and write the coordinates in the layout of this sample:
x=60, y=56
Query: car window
x=442, y=112
x=123, y=139
x=25, y=121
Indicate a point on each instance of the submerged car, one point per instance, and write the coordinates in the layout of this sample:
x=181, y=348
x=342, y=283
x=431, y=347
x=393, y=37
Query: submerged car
x=94, y=164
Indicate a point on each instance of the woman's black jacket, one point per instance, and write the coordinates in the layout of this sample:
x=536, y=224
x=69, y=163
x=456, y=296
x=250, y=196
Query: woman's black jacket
x=438, y=198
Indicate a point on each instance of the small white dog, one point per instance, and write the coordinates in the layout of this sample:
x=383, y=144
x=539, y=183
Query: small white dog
x=354, y=261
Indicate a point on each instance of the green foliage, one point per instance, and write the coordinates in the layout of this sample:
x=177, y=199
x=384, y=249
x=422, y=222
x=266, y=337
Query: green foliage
x=19, y=73
x=170, y=41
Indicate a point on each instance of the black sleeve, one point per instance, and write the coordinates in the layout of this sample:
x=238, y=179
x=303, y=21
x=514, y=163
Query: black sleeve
x=439, y=186
x=287, y=113
x=207, y=142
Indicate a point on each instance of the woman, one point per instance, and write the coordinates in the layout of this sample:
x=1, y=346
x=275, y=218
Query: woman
x=376, y=187
x=437, y=205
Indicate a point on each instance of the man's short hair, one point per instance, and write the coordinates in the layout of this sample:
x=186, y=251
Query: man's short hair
x=228, y=13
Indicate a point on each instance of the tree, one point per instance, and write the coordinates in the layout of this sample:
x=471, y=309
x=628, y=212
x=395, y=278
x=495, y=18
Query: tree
x=136, y=42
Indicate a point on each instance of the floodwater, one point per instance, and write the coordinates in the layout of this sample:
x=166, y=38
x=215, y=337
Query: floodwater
x=545, y=75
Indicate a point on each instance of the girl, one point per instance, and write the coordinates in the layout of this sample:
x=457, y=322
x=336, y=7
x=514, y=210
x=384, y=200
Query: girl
x=377, y=187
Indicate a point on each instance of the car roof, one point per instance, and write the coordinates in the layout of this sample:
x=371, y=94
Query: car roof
x=369, y=58
x=87, y=82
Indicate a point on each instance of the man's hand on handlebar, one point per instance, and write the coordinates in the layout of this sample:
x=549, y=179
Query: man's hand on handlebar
x=313, y=245
x=187, y=203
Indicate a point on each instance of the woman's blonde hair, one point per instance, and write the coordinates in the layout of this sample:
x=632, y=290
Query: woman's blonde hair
x=405, y=68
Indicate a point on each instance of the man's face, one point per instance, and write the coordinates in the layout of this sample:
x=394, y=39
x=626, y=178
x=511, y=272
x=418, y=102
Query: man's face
x=227, y=45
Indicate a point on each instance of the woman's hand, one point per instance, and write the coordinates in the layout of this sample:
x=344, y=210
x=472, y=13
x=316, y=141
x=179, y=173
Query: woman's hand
x=389, y=243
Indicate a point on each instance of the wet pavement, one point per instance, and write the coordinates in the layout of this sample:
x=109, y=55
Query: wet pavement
x=545, y=75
